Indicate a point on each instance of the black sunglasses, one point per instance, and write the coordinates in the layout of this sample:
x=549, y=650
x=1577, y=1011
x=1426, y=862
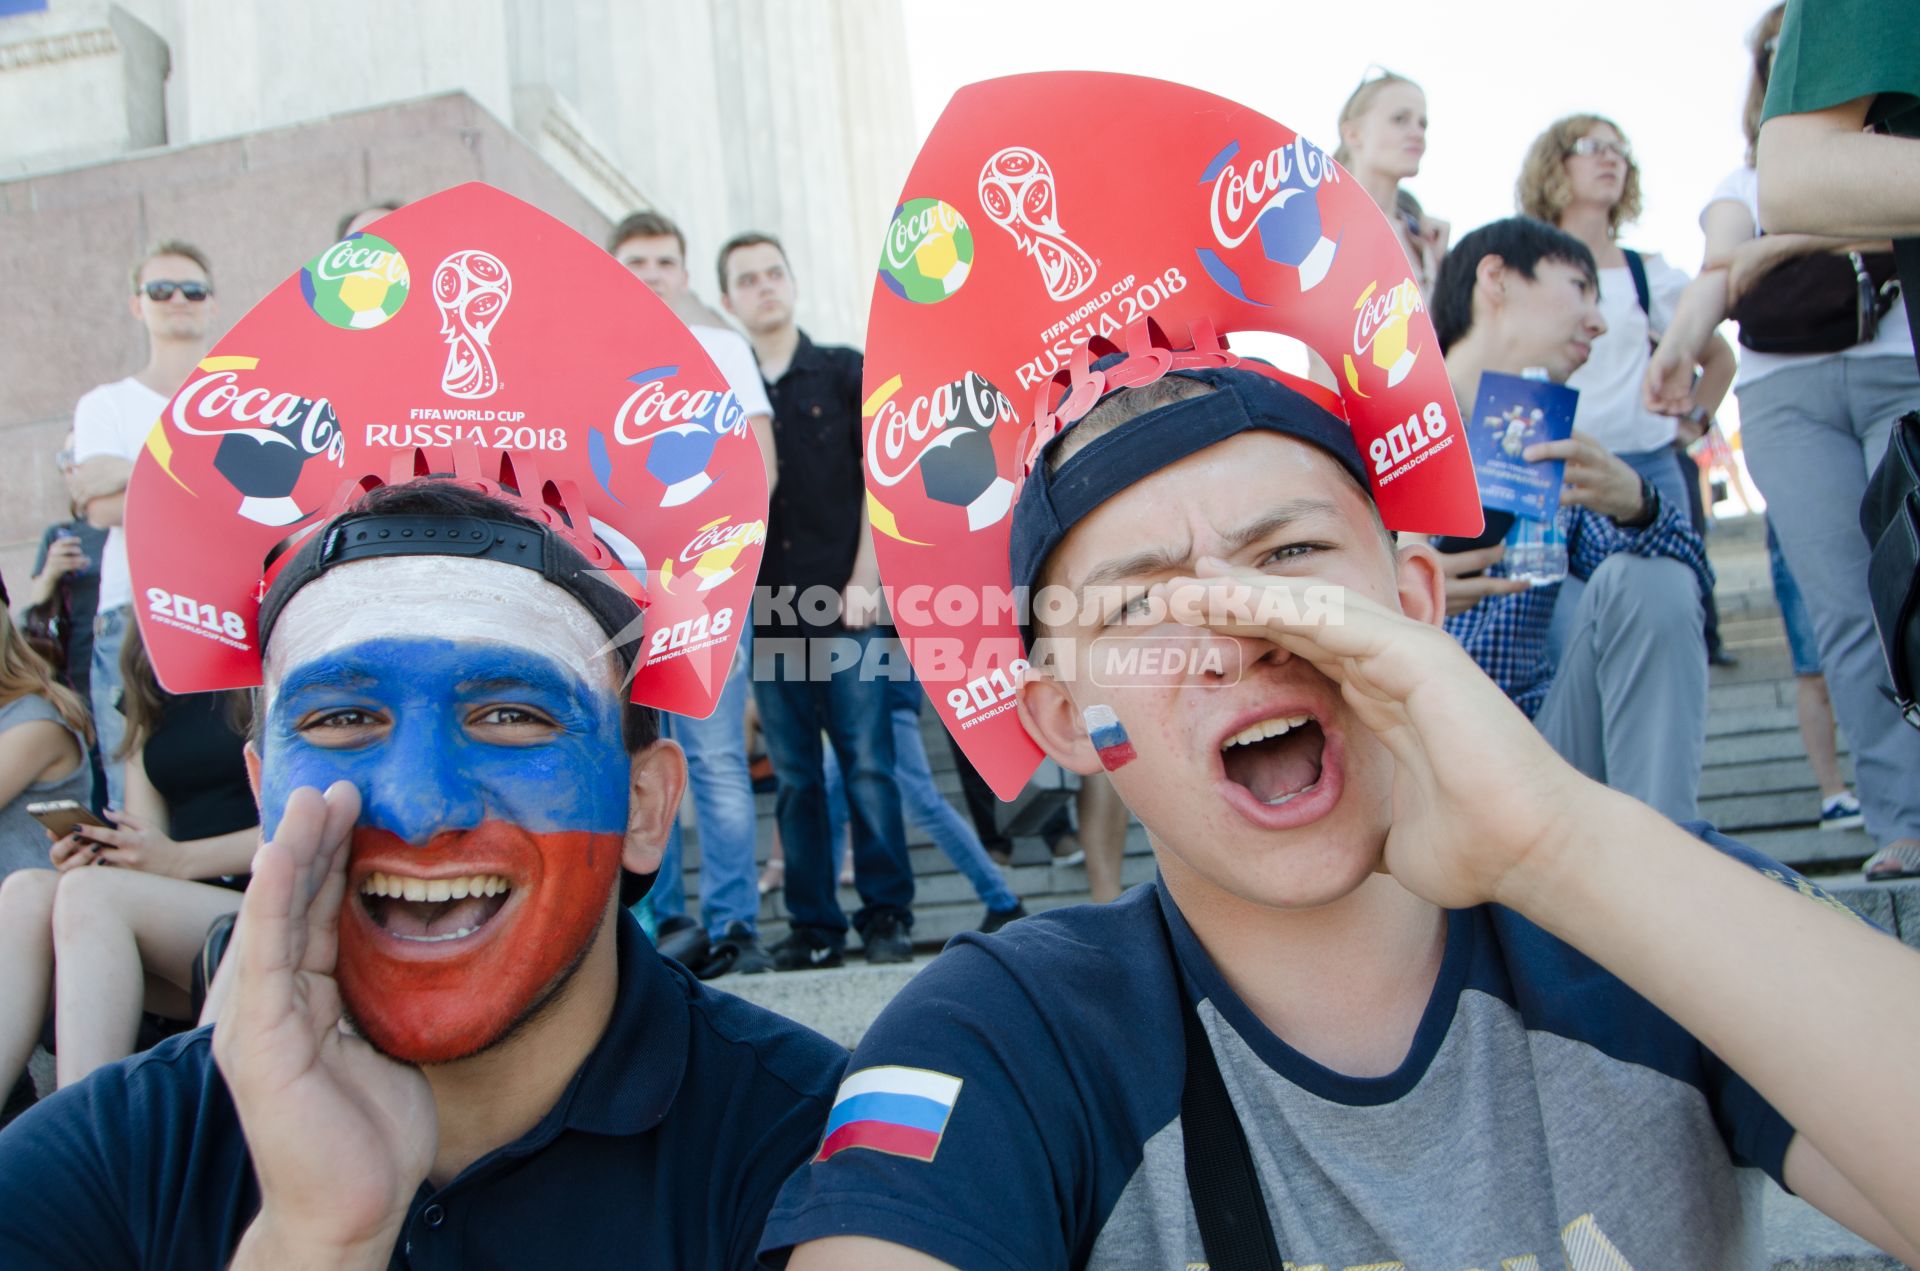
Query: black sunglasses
x=162, y=289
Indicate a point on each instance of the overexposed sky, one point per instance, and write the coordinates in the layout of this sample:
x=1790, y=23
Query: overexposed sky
x=1496, y=72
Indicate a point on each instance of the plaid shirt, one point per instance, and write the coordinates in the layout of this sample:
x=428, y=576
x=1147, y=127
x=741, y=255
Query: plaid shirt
x=1507, y=635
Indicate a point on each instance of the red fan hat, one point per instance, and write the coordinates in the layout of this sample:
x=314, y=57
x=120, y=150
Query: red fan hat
x=472, y=337
x=1028, y=272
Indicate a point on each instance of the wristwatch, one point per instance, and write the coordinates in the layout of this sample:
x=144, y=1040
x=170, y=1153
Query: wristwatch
x=1649, y=508
x=1699, y=416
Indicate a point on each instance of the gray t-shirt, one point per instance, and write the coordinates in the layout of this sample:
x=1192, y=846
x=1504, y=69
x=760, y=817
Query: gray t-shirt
x=23, y=841
x=1017, y=1107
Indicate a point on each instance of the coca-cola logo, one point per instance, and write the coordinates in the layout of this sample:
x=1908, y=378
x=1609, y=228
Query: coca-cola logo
x=216, y=405
x=1378, y=312
x=1244, y=191
x=902, y=434
x=724, y=535
x=362, y=255
x=915, y=225
x=654, y=408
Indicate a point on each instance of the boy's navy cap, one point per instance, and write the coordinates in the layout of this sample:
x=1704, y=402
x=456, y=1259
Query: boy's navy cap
x=1243, y=400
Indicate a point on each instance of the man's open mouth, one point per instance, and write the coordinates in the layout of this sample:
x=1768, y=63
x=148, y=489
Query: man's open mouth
x=1276, y=759
x=432, y=910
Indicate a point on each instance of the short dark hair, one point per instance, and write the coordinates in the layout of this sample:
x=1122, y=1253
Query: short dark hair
x=173, y=247
x=340, y=227
x=751, y=238
x=434, y=496
x=646, y=225
x=1521, y=243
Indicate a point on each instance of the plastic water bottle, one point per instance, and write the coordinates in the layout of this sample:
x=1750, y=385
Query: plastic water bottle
x=1536, y=551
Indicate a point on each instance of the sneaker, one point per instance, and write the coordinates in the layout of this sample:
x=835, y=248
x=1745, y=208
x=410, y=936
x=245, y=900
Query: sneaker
x=799, y=952
x=738, y=952
x=885, y=940
x=683, y=940
x=998, y=918
x=1841, y=812
x=1067, y=850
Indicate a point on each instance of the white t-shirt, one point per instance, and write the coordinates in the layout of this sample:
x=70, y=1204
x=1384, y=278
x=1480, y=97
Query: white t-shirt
x=1611, y=408
x=115, y=419
x=734, y=356
x=1893, y=339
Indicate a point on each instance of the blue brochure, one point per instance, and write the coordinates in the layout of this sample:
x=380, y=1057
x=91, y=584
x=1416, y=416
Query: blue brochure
x=1509, y=414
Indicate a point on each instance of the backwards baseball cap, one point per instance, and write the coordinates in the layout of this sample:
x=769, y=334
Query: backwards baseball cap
x=1027, y=275
x=533, y=368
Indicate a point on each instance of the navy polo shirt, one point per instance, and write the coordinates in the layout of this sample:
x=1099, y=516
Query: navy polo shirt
x=666, y=1150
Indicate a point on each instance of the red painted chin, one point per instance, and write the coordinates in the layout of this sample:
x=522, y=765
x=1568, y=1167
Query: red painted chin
x=430, y=1002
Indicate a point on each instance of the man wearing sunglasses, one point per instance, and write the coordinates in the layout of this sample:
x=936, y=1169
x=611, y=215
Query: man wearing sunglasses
x=172, y=298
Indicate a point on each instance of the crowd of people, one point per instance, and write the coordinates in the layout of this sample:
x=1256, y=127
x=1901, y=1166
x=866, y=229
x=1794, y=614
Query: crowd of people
x=187, y=855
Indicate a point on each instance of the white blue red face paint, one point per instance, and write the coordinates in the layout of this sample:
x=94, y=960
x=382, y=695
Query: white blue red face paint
x=485, y=767
x=1109, y=737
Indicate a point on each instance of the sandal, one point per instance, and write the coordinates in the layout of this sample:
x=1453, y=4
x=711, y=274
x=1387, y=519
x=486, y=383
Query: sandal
x=1894, y=862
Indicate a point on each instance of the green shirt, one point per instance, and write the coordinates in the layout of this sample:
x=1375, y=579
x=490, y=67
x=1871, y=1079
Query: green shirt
x=1833, y=51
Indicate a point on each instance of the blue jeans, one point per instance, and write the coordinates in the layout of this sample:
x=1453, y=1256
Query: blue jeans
x=923, y=803
x=109, y=725
x=722, y=806
x=852, y=709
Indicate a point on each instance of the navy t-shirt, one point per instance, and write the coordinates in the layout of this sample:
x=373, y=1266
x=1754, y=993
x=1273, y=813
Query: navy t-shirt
x=666, y=1150
x=1018, y=1107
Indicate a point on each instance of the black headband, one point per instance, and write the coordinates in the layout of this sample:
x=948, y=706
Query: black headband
x=360, y=536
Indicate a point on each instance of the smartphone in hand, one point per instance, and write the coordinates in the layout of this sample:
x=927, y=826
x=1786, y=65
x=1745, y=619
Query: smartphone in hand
x=63, y=816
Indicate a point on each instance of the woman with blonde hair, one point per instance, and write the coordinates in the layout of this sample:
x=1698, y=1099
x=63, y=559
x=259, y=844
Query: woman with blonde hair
x=44, y=732
x=1383, y=134
x=1815, y=417
x=113, y=928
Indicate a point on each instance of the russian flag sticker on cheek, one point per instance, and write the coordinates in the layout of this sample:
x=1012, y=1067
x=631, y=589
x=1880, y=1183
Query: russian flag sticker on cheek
x=1109, y=737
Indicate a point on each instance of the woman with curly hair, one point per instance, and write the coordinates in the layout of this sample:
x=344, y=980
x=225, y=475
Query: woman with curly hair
x=1580, y=175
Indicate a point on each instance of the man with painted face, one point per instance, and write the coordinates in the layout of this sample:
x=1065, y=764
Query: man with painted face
x=1461, y=1005
x=446, y=1043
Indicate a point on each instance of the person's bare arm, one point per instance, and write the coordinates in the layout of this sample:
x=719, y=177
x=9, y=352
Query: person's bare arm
x=861, y=1253
x=859, y=599
x=1716, y=375
x=137, y=839
x=1820, y=174
x=1669, y=386
x=1791, y=990
x=27, y=751
x=98, y=486
x=762, y=428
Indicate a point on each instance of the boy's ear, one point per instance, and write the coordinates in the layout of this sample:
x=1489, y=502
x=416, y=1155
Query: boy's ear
x=659, y=778
x=250, y=755
x=1422, y=583
x=1051, y=718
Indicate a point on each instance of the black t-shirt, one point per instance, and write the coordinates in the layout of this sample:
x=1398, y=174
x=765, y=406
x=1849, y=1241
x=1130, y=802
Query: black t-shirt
x=666, y=1150
x=813, y=527
x=195, y=764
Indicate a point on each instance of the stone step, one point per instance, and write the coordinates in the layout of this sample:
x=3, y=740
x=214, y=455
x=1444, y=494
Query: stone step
x=1810, y=849
x=1772, y=776
x=1740, y=748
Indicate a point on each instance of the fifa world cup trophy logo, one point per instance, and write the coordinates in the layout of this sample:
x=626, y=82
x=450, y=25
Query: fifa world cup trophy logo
x=472, y=289
x=1016, y=189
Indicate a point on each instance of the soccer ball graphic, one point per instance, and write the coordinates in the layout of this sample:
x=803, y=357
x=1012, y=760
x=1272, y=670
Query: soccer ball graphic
x=357, y=284
x=929, y=251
